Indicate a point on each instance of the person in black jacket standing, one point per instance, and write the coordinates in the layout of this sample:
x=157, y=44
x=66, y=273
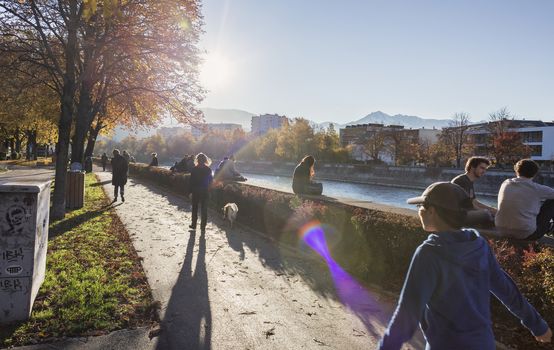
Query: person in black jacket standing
x=154, y=161
x=200, y=180
x=119, y=174
x=104, y=161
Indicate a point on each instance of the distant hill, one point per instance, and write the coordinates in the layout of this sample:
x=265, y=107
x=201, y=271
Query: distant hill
x=235, y=116
x=211, y=115
x=409, y=121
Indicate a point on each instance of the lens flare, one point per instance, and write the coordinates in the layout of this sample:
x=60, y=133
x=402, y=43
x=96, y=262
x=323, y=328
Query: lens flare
x=350, y=292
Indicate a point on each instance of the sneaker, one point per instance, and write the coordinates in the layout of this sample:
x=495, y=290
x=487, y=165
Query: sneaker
x=122, y=199
x=114, y=200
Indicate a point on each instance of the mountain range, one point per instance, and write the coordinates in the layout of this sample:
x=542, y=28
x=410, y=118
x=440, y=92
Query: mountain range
x=236, y=116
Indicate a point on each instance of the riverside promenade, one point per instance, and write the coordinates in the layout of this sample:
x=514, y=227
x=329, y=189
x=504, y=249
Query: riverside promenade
x=235, y=289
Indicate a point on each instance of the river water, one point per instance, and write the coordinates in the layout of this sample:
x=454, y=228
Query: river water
x=393, y=196
x=370, y=193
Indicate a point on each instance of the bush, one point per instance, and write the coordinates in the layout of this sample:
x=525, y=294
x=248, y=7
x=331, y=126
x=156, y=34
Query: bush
x=532, y=269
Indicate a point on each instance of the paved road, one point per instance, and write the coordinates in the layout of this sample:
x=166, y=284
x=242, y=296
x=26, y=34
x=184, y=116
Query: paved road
x=235, y=289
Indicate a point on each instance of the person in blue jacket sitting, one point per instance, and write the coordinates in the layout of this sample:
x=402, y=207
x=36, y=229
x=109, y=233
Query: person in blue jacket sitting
x=448, y=286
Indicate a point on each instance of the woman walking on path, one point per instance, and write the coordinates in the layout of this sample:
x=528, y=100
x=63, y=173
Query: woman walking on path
x=104, y=161
x=200, y=180
x=120, y=168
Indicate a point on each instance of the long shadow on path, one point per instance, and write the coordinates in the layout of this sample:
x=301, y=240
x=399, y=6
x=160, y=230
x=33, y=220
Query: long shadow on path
x=188, y=321
x=188, y=317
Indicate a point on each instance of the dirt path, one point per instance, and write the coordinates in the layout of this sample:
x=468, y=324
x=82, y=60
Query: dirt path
x=235, y=289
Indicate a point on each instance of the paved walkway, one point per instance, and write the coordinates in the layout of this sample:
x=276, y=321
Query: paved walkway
x=235, y=289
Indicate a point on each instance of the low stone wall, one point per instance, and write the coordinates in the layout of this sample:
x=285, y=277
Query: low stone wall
x=409, y=177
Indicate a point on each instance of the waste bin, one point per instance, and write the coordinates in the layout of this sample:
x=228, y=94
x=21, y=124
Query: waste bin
x=74, y=189
x=24, y=211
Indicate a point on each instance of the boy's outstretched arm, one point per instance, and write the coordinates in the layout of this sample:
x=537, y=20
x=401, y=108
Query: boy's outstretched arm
x=505, y=290
x=418, y=287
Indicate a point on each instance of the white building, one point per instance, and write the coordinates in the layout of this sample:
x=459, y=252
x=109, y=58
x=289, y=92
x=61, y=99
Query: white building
x=261, y=124
x=536, y=134
x=201, y=129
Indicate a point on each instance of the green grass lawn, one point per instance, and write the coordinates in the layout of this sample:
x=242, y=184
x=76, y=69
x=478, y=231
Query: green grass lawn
x=94, y=281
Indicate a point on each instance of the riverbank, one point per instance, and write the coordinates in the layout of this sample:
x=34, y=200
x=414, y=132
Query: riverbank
x=402, y=177
x=379, y=194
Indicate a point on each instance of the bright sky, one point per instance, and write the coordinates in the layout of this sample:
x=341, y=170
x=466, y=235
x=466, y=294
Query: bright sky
x=340, y=60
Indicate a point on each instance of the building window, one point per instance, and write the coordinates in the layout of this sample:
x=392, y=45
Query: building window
x=536, y=150
x=480, y=138
x=531, y=136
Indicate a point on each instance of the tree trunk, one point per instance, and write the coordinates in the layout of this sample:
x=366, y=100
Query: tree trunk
x=82, y=125
x=84, y=108
x=31, y=147
x=28, y=146
x=66, y=115
x=34, y=153
x=18, y=140
x=92, y=135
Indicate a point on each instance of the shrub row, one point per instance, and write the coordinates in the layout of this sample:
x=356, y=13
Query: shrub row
x=374, y=246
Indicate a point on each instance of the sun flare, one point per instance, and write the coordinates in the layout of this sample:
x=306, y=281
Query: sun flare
x=216, y=72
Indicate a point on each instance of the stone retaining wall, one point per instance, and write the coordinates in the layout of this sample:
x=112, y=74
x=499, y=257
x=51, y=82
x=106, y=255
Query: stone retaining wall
x=410, y=177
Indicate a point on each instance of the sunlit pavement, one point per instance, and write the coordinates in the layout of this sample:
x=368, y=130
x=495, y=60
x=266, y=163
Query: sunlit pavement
x=234, y=289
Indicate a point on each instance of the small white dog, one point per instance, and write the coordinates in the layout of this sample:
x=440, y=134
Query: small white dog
x=230, y=211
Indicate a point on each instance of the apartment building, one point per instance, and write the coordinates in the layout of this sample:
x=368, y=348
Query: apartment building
x=261, y=124
x=536, y=134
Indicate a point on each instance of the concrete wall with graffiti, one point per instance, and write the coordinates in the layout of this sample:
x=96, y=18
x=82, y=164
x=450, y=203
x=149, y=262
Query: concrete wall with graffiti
x=24, y=212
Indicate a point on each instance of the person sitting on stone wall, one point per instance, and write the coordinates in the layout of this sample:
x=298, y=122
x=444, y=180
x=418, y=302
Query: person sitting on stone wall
x=302, y=182
x=525, y=208
x=226, y=170
x=475, y=168
x=154, y=161
x=220, y=166
x=181, y=166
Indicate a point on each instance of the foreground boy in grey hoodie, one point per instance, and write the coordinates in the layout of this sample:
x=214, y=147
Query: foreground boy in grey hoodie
x=451, y=277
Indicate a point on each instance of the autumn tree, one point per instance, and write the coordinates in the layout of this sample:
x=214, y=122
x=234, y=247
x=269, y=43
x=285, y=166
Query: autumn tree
x=440, y=154
x=509, y=148
x=28, y=111
x=374, y=143
x=327, y=144
x=455, y=136
x=143, y=53
x=505, y=144
x=146, y=66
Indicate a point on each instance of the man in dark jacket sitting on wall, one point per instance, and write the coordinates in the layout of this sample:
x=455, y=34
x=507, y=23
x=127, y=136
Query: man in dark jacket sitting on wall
x=483, y=215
